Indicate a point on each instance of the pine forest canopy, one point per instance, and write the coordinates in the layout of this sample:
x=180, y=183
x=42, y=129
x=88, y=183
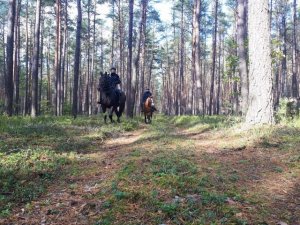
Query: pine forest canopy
x=198, y=57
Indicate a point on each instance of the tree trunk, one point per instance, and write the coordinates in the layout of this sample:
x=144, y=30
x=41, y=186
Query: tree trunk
x=26, y=100
x=17, y=59
x=141, y=48
x=58, y=110
x=212, y=84
x=283, y=33
x=295, y=91
x=242, y=55
x=9, y=83
x=41, y=67
x=260, y=110
x=181, y=66
x=196, y=70
x=112, y=57
x=130, y=93
x=77, y=60
x=88, y=79
x=35, y=61
x=64, y=54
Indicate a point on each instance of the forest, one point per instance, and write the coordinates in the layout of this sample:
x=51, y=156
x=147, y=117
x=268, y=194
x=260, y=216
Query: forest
x=222, y=145
x=195, y=61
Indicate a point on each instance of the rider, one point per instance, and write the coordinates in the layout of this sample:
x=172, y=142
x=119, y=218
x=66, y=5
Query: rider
x=147, y=94
x=115, y=79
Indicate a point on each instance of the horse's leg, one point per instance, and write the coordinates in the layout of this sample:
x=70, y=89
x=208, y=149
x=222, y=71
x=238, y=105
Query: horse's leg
x=111, y=114
x=118, y=115
x=104, y=111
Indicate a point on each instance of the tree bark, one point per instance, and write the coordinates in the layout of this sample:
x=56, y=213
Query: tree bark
x=260, y=110
x=77, y=60
x=26, y=100
x=295, y=91
x=242, y=55
x=130, y=93
x=196, y=70
x=212, y=84
x=35, y=61
x=17, y=59
x=9, y=83
x=58, y=110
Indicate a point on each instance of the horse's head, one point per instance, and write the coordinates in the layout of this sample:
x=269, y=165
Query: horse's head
x=149, y=102
x=104, y=82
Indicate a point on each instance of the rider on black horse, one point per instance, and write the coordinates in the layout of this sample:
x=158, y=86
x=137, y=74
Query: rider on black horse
x=114, y=82
x=147, y=94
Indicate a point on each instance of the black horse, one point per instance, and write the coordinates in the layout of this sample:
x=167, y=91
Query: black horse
x=110, y=97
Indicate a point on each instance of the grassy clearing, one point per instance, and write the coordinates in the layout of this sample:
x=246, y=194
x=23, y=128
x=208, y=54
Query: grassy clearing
x=36, y=152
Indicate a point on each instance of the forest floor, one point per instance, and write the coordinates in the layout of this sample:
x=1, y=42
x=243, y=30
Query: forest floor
x=178, y=170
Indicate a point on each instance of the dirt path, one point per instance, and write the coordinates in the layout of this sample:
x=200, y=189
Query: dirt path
x=67, y=201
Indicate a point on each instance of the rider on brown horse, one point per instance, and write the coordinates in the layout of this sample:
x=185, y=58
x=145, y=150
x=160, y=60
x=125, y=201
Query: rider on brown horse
x=147, y=94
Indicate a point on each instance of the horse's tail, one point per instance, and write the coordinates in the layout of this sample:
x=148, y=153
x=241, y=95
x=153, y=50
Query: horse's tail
x=122, y=104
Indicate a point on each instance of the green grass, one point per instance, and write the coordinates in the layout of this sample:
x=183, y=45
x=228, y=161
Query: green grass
x=36, y=152
x=172, y=183
x=164, y=177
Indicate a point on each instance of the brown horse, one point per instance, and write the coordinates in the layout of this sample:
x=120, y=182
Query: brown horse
x=148, y=109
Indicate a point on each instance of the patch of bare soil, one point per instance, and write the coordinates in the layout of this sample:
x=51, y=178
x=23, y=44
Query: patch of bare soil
x=69, y=201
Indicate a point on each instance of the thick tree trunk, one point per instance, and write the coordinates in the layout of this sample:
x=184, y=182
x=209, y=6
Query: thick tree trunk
x=77, y=60
x=9, y=83
x=260, y=110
